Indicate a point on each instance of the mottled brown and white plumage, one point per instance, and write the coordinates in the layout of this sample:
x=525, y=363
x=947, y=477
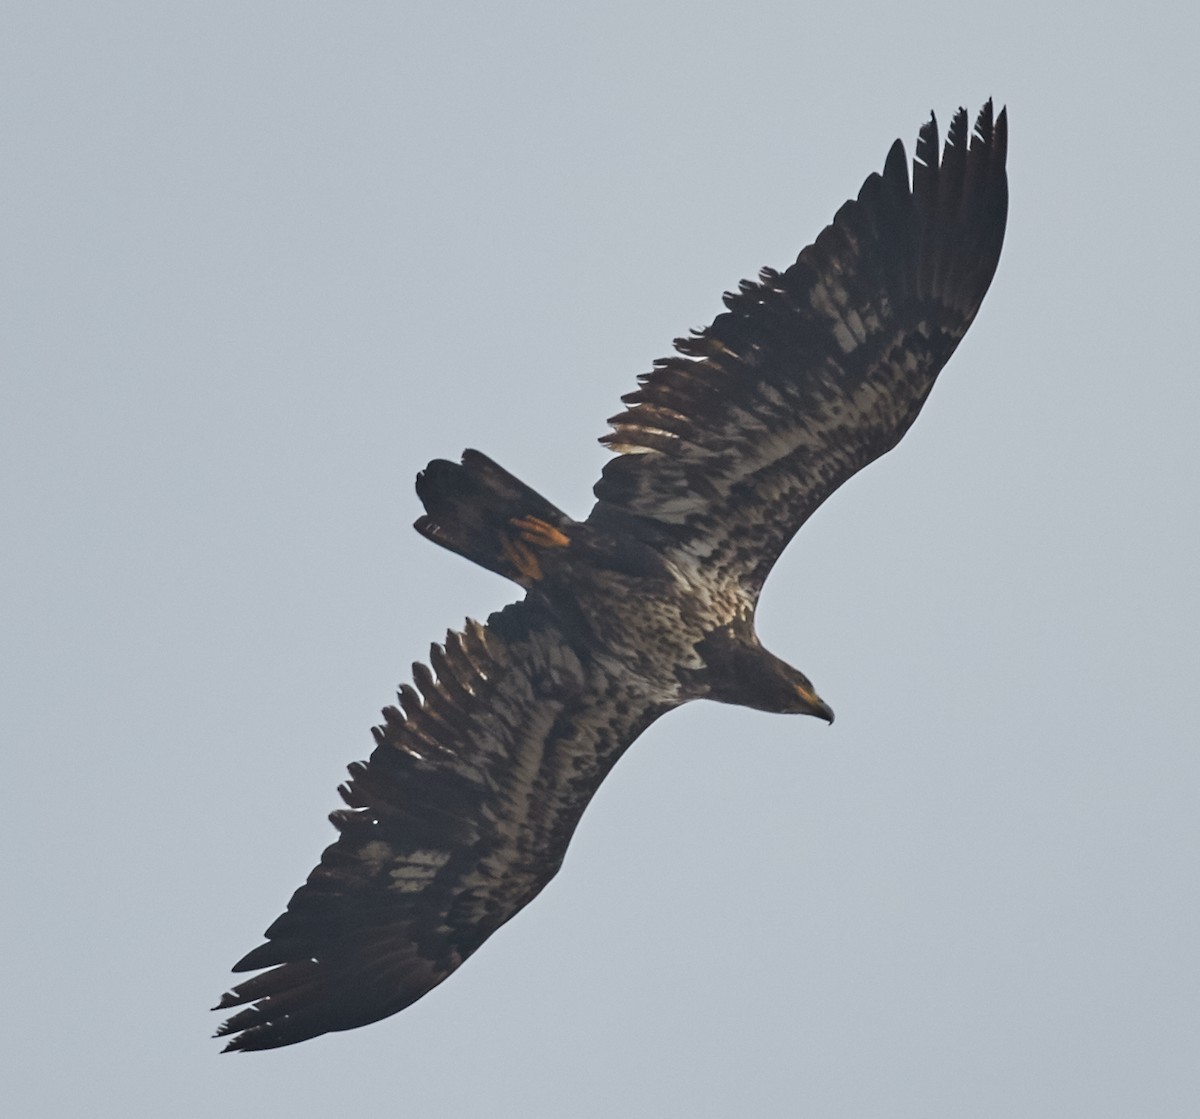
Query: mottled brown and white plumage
x=464, y=811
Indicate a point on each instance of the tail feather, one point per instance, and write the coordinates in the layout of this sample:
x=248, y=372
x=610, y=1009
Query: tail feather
x=471, y=508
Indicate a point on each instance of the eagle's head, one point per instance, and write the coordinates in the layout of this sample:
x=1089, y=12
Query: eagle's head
x=739, y=670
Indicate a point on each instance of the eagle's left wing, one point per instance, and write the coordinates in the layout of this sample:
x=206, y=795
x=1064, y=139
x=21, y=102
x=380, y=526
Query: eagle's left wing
x=728, y=447
x=461, y=816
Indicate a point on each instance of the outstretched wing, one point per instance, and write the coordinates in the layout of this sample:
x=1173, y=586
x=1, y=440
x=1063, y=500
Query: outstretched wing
x=728, y=447
x=461, y=816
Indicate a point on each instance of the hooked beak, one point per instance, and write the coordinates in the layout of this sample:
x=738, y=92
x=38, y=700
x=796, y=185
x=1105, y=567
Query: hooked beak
x=814, y=704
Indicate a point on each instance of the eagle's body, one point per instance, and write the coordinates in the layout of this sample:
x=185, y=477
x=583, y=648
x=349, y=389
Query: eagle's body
x=467, y=805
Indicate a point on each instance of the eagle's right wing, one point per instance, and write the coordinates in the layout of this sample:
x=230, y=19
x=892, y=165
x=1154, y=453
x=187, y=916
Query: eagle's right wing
x=461, y=816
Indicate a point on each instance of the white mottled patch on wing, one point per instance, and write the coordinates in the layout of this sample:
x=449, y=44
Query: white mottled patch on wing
x=828, y=298
x=854, y=321
x=845, y=338
x=376, y=855
x=417, y=870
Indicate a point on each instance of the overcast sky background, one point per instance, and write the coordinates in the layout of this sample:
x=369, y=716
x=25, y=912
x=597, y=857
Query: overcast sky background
x=261, y=262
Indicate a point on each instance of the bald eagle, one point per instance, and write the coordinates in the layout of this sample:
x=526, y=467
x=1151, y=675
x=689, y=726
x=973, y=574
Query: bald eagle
x=478, y=779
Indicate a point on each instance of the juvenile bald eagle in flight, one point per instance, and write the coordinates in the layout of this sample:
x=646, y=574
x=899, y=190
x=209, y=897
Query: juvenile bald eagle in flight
x=478, y=779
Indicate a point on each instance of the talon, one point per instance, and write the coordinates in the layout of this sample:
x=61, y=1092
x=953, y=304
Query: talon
x=519, y=555
x=540, y=534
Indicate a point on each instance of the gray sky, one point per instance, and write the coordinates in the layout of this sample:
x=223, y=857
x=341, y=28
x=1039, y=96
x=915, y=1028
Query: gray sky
x=263, y=261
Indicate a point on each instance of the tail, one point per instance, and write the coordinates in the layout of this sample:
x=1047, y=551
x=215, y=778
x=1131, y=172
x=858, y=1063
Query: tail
x=482, y=512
